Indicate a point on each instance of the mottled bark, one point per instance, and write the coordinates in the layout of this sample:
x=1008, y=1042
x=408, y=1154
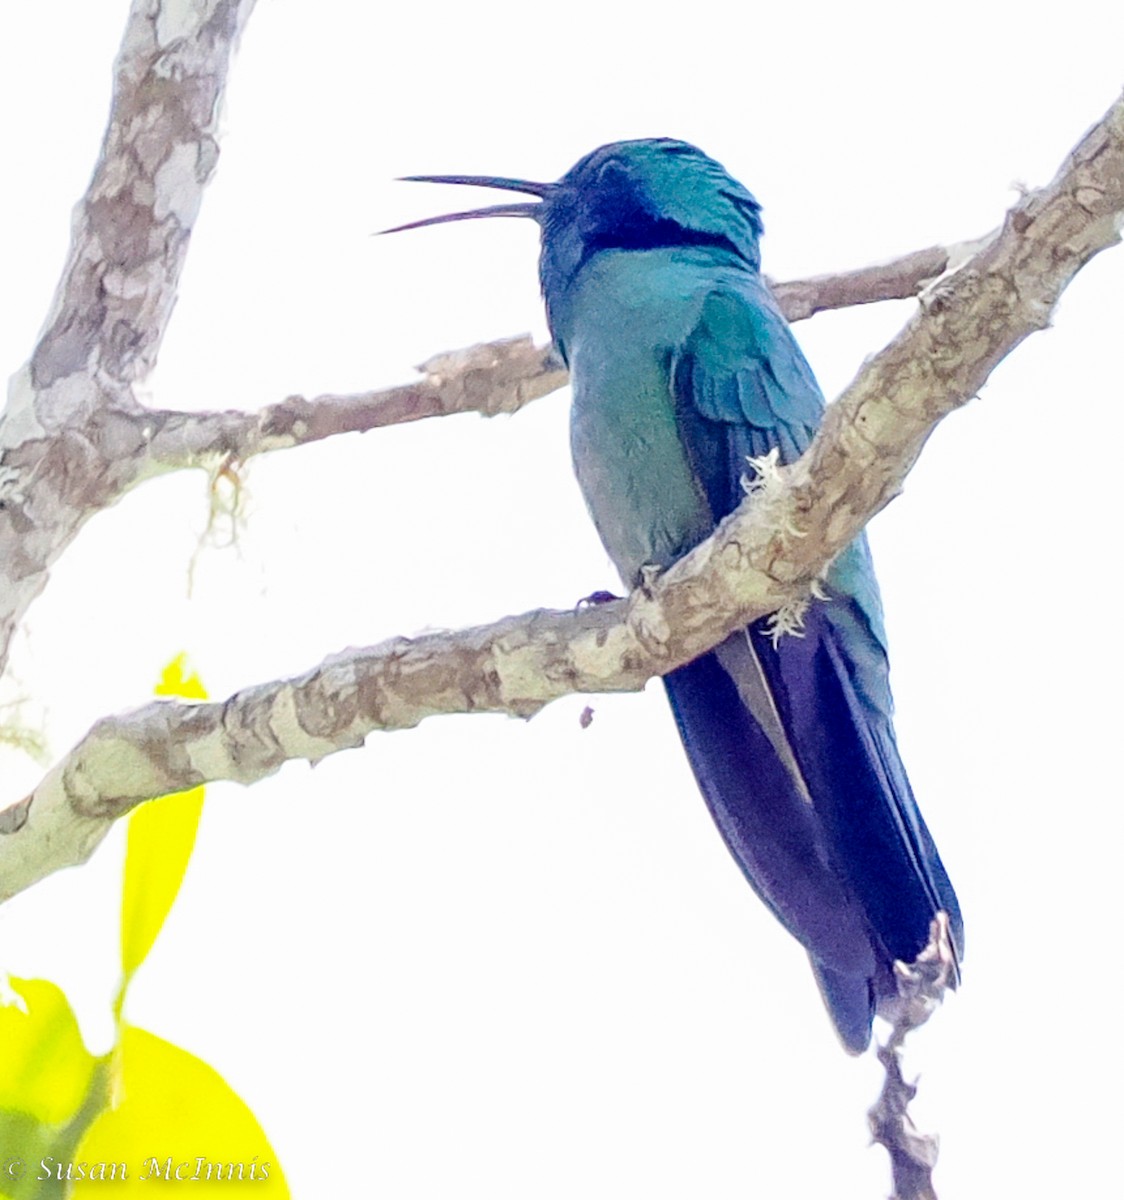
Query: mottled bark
x=922, y=985
x=895, y=280
x=764, y=557
x=73, y=437
x=496, y=377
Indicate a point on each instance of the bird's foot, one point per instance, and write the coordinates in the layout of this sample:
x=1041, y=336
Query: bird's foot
x=595, y=598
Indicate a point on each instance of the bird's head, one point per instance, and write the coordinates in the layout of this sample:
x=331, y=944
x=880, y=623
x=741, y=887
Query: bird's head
x=638, y=195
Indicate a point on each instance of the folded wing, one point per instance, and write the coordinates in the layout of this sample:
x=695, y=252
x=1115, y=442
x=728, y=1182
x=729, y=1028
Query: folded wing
x=792, y=743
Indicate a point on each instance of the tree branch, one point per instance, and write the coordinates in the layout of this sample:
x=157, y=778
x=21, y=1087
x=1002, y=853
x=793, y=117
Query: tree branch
x=492, y=378
x=74, y=439
x=897, y=279
x=131, y=228
x=72, y=435
x=762, y=557
x=495, y=377
x=921, y=988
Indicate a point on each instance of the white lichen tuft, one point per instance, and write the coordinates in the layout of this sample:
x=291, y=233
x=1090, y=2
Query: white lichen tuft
x=788, y=620
x=767, y=488
x=767, y=476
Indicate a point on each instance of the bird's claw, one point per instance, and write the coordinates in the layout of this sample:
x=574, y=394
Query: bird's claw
x=595, y=598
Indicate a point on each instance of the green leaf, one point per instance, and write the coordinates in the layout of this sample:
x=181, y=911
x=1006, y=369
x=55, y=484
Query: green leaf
x=37, y=1158
x=160, y=840
x=45, y=1068
x=176, y=1120
x=26, y=1144
x=50, y=1088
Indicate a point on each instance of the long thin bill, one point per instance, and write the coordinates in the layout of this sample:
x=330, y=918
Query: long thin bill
x=496, y=210
x=485, y=181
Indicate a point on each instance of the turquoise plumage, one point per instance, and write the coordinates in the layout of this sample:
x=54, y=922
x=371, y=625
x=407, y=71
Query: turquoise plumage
x=683, y=368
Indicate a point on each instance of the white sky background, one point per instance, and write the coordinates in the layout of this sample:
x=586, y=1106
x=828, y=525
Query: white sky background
x=514, y=959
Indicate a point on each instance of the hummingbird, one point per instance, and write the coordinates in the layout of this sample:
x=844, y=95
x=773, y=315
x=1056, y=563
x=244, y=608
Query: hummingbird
x=683, y=371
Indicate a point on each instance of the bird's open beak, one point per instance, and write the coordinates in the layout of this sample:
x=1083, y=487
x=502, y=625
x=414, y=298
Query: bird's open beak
x=526, y=209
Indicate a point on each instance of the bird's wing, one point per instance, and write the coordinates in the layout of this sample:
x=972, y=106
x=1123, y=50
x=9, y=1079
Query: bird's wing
x=743, y=388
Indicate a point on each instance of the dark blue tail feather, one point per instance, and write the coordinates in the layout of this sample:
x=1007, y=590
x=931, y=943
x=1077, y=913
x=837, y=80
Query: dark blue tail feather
x=876, y=835
x=851, y=1002
x=770, y=829
x=854, y=874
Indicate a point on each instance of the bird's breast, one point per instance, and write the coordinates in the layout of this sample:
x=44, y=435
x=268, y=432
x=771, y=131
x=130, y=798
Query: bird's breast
x=628, y=313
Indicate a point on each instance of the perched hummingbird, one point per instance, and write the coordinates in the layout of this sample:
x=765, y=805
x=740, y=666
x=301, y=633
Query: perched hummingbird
x=682, y=369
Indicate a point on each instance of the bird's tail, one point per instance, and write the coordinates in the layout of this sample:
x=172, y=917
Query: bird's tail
x=834, y=845
x=767, y=822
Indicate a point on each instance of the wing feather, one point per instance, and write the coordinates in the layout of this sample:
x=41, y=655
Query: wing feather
x=742, y=388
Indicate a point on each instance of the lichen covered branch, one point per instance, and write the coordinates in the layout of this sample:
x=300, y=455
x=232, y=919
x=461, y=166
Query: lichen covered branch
x=495, y=377
x=758, y=560
x=72, y=436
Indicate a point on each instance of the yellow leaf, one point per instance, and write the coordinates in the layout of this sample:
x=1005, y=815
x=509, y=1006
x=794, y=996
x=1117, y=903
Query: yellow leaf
x=45, y=1068
x=160, y=841
x=176, y=1120
x=173, y=681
